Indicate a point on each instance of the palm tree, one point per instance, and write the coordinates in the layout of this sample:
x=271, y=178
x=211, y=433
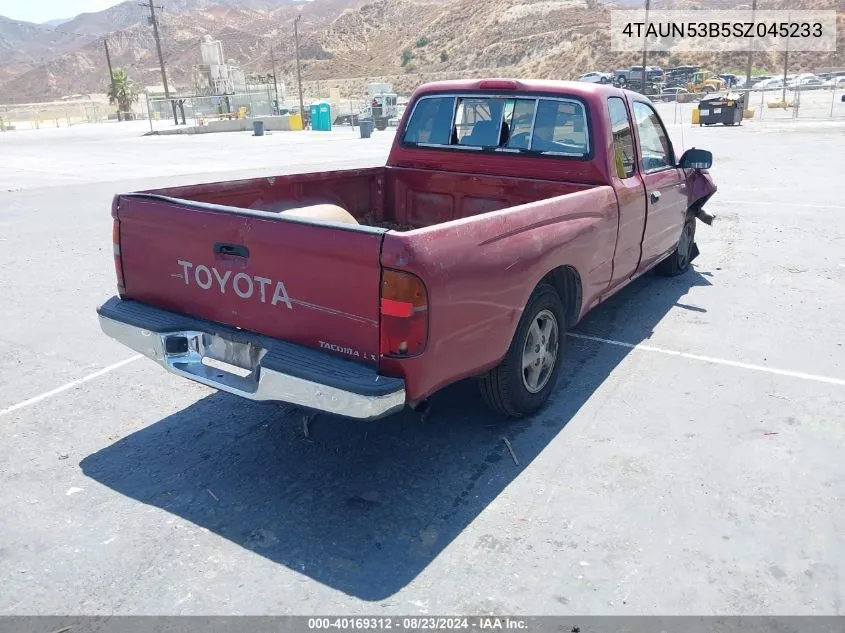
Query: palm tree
x=122, y=92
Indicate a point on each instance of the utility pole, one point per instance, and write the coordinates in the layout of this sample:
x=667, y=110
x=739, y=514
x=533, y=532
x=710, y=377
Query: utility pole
x=299, y=68
x=750, y=51
x=786, y=64
x=275, y=83
x=154, y=20
x=111, y=75
x=785, y=70
x=645, y=44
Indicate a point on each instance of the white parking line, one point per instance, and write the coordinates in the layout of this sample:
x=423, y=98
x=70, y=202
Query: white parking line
x=70, y=385
x=715, y=361
x=643, y=348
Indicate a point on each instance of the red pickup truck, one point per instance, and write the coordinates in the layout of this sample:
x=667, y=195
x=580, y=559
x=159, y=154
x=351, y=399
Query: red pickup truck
x=507, y=210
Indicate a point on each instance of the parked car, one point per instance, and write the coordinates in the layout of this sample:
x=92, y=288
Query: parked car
x=596, y=77
x=759, y=79
x=672, y=94
x=769, y=84
x=834, y=82
x=493, y=228
x=807, y=83
x=635, y=73
x=635, y=83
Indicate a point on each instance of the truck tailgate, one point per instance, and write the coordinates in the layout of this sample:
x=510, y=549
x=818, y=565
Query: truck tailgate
x=303, y=282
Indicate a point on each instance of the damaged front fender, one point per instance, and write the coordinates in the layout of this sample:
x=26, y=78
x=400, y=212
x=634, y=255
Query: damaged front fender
x=700, y=188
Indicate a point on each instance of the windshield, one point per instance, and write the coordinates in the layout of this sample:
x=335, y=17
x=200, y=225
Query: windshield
x=530, y=125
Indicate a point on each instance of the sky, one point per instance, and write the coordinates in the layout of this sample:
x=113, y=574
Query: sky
x=43, y=10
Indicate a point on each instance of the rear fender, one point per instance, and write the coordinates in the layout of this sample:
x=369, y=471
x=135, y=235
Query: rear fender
x=481, y=270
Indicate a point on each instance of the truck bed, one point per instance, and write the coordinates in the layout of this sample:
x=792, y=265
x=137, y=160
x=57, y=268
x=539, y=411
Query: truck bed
x=221, y=253
x=393, y=198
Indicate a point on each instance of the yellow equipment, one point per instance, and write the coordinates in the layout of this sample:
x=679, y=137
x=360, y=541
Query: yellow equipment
x=705, y=81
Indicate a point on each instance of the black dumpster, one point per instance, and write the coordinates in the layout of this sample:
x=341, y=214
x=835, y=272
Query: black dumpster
x=724, y=109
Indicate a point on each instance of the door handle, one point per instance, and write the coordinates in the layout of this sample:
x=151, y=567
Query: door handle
x=655, y=196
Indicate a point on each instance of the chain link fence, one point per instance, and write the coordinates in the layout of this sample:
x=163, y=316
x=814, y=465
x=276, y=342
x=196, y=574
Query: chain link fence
x=766, y=105
x=798, y=104
x=34, y=116
x=201, y=110
x=762, y=105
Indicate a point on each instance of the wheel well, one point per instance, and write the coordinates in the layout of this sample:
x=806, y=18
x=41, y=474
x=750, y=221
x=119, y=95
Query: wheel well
x=567, y=282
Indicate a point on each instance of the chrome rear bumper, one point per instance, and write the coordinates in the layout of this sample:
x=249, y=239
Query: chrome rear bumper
x=251, y=366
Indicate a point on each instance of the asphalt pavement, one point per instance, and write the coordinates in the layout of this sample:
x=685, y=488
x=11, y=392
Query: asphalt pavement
x=690, y=461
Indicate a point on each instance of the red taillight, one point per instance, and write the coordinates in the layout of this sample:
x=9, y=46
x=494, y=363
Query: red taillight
x=118, y=262
x=404, y=314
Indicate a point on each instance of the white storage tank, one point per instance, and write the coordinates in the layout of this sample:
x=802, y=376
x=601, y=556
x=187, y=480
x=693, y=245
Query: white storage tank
x=212, y=52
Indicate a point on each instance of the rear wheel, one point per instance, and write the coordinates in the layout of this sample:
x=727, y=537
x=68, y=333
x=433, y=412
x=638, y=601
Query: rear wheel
x=679, y=261
x=522, y=383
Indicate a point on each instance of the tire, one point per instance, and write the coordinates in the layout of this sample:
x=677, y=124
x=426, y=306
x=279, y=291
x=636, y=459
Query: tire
x=679, y=261
x=603, y=80
x=509, y=388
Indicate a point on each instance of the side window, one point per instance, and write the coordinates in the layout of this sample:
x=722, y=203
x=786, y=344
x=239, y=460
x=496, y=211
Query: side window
x=623, y=139
x=655, y=148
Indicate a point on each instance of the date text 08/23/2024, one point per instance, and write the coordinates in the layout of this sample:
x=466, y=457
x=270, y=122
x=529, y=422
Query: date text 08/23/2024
x=417, y=623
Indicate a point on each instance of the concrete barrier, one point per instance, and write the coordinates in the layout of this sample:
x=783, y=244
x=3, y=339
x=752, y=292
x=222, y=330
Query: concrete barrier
x=271, y=123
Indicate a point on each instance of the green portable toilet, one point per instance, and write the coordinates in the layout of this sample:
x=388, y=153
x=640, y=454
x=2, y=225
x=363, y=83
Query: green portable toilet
x=321, y=117
x=326, y=117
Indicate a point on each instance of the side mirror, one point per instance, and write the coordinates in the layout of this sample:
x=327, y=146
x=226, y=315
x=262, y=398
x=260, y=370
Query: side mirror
x=696, y=159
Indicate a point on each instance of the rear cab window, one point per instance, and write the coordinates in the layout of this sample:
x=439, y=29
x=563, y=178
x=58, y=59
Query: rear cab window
x=533, y=125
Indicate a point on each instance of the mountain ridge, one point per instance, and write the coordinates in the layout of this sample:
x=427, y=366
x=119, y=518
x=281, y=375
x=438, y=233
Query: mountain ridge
x=344, y=43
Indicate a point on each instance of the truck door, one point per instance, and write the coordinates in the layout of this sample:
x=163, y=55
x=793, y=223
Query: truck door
x=665, y=187
x=630, y=194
